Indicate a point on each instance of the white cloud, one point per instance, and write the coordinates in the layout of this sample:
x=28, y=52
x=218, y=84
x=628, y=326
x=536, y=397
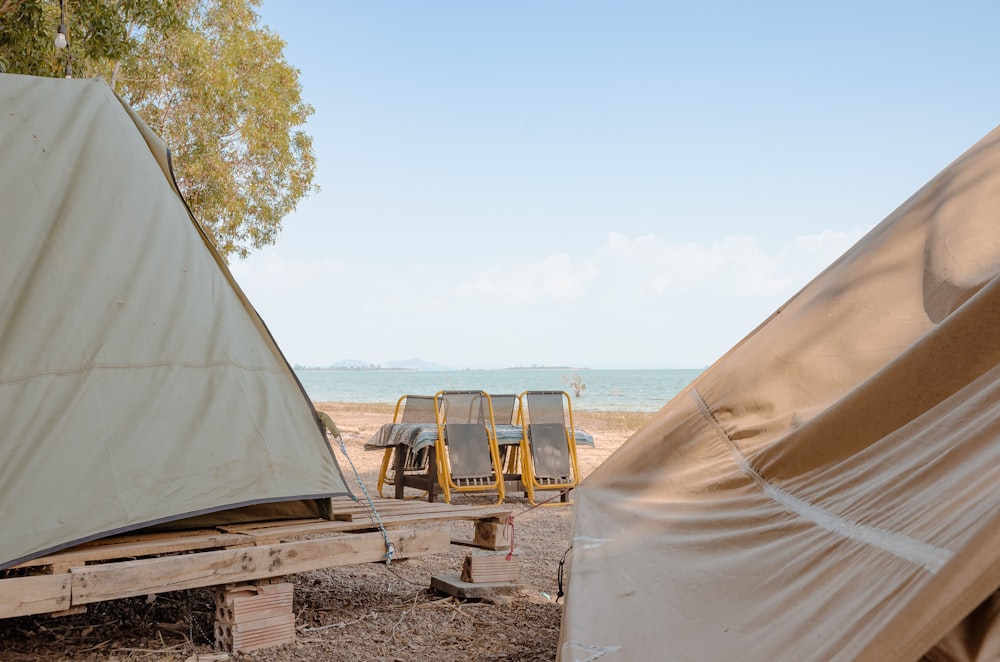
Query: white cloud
x=650, y=267
x=732, y=266
x=556, y=277
x=640, y=300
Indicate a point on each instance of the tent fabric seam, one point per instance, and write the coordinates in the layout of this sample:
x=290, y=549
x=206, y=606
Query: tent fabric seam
x=931, y=557
x=129, y=366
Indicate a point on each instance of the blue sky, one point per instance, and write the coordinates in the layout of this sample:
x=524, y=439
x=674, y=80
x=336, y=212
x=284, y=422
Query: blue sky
x=596, y=184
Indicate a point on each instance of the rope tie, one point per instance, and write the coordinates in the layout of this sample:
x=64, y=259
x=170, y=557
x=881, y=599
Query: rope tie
x=508, y=527
x=559, y=576
x=390, y=549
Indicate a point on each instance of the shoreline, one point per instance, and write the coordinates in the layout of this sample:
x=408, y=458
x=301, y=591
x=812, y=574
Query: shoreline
x=612, y=427
x=390, y=406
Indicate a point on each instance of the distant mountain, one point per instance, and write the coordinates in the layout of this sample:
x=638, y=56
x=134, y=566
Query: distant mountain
x=416, y=364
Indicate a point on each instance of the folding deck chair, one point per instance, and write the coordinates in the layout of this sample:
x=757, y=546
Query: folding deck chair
x=504, y=408
x=548, y=444
x=506, y=411
x=413, y=409
x=467, y=455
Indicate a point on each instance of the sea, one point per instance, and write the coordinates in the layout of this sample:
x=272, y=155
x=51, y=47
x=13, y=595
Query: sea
x=589, y=390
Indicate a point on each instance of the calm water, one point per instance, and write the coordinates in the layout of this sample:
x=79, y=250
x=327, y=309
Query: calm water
x=606, y=390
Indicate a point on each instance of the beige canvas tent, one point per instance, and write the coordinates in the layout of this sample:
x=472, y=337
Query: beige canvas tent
x=830, y=488
x=137, y=384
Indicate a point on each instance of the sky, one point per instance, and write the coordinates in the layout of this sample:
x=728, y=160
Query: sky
x=600, y=184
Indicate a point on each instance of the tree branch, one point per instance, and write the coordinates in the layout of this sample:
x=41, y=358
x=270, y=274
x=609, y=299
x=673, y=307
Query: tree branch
x=10, y=6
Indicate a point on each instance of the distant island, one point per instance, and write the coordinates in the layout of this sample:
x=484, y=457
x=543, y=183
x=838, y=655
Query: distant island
x=350, y=368
x=354, y=364
x=417, y=364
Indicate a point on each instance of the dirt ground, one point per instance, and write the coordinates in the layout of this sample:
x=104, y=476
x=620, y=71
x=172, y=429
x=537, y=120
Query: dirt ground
x=360, y=612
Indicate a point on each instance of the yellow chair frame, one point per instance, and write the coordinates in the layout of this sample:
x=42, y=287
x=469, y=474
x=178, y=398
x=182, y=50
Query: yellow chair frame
x=450, y=418
x=529, y=479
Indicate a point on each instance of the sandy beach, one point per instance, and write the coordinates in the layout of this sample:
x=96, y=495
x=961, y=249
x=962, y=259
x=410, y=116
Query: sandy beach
x=362, y=612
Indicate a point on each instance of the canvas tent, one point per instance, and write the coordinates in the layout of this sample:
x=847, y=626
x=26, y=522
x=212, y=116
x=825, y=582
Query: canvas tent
x=830, y=488
x=137, y=384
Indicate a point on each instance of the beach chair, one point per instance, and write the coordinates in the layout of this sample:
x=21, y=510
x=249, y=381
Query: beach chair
x=548, y=443
x=506, y=411
x=504, y=408
x=413, y=409
x=467, y=455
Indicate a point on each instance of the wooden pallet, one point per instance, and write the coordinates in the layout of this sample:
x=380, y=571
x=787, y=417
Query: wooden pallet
x=142, y=564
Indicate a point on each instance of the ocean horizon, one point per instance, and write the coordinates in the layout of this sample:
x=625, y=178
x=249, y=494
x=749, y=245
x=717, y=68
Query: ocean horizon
x=602, y=390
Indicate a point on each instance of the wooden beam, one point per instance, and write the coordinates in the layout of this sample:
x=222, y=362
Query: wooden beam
x=40, y=594
x=140, y=536
x=111, y=581
x=491, y=534
x=276, y=533
x=77, y=556
x=452, y=584
x=395, y=514
x=390, y=510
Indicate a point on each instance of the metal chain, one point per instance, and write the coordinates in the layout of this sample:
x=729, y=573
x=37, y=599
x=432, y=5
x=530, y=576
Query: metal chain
x=390, y=549
x=193, y=623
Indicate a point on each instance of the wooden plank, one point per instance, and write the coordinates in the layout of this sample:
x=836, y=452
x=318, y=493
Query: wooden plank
x=430, y=517
x=124, y=579
x=274, y=534
x=78, y=556
x=141, y=537
x=424, y=506
x=394, y=514
x=479, y=567
x=72, y=611
x=454, y=586
x=40, y=594
x=391, y=518
x=489, y=534
x=392, y=508
x=270, y=524
x=418, y=508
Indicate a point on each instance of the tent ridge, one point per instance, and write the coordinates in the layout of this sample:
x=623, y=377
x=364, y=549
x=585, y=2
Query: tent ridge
x=931, y=557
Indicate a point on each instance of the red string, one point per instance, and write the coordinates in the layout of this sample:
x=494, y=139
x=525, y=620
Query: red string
x=509, y=526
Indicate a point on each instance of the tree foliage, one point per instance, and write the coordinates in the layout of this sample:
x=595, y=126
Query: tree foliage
x=209, y=79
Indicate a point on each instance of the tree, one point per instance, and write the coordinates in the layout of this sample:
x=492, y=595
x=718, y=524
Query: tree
x=576, y=383
x=99, y=30
x=209, y=79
